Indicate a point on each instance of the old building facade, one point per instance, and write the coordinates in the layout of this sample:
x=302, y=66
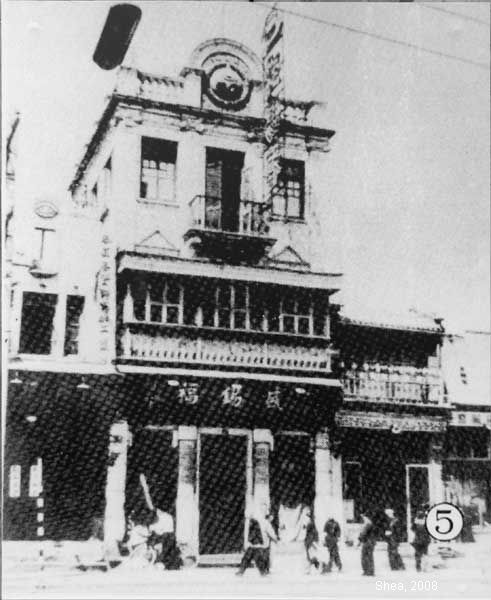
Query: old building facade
x=174, y=321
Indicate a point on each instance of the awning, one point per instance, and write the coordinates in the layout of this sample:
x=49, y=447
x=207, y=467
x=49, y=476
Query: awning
x=260, y=274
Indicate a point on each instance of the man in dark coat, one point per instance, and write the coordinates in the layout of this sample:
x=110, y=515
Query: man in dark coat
x=367, y=539
x=393, y=536
x=421, y=539
x=260, y=532
x=332, y=533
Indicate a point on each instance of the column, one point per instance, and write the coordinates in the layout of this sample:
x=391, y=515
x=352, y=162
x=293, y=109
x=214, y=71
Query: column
x=328, y=483
x=262, y=445
x=187, y=512
x=114, y=515
x=435, y=479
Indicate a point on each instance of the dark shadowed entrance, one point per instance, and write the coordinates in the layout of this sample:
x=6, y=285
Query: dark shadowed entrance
x=222, y=493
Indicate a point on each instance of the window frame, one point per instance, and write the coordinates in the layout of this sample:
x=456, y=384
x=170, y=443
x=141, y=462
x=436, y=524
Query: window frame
x=70, y=328
x=283, y=191
x=296, y=315
x=231, y=307
x=22, y=333
x=161, y=152
x=164, y=304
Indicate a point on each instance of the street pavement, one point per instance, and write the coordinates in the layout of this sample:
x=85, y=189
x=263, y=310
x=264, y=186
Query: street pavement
x=465, y=576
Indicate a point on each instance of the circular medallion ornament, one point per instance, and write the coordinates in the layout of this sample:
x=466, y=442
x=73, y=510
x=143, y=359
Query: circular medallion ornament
x=45, y=209
x=226, y=81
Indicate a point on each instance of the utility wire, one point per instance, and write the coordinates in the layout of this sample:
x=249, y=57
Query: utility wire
x=456, y=14
x=377, y=36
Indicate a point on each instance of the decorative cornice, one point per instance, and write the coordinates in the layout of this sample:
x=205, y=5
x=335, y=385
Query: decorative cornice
x=206, y=116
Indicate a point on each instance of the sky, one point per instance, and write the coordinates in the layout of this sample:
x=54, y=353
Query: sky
x=409, y=168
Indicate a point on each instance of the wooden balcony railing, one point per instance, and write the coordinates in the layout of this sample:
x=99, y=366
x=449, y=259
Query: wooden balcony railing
x=402, y=385
x=167, y=348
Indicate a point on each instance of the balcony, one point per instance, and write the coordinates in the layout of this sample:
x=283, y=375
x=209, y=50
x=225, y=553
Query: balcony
x=188, y=345
x=237, y=234
x=394, y=385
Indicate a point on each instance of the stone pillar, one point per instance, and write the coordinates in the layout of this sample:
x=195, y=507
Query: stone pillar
x=187, y=512
x=114, y=515
x=328, y=484
x=263, y=443
x=435, y=479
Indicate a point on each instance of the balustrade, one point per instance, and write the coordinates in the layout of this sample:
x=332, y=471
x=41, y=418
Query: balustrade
x=406, y=385
x=166, y=348
x=207, y=213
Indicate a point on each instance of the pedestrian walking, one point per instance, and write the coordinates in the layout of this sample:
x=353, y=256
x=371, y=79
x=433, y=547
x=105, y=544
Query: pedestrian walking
x=393, y=535
x=421, y=539
x=260, y=532
x=332, y=533
x=311, y=540
x=467, y=535
x=367, y=540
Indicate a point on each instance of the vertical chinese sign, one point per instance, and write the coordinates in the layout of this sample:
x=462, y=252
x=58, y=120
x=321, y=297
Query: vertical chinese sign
x=273, y=61
x=104, y=296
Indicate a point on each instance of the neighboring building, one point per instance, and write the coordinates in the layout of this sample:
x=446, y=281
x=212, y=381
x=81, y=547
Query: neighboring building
x=392, y=424
x=467, y=464
x=174, y=320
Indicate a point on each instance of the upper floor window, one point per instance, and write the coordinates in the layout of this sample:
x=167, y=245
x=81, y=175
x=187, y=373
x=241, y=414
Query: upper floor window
x=74, y=308
x=289, y=202
x=296, y=315
x=36, y=329
x=158, y=170
x=232, y=306
x=164, y=303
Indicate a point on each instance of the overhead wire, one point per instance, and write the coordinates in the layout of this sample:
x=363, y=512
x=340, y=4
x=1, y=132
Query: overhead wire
x=380, y=37
x=456, y=14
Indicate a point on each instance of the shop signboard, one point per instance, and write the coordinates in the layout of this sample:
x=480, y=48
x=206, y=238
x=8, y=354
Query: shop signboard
x=273, y=59
x=471, y=419
x=392, y=421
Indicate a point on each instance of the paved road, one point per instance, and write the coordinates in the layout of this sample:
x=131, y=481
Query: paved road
x=468, y=576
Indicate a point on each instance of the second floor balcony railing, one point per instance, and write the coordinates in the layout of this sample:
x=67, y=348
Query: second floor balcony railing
x=217, y=214
x=163, y=345
x=399, y=385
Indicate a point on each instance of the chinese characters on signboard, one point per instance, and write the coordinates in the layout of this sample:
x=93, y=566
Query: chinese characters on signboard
x=273, y=399
x=104, y=293
x=273, y=58
x=232, y=395
x=188, y=393
x=471, y=419
x=397, y=423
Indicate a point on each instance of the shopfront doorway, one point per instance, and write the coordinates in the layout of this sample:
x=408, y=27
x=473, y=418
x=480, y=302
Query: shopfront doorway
x=153, y=459
x=224, y=464
x=292, y=481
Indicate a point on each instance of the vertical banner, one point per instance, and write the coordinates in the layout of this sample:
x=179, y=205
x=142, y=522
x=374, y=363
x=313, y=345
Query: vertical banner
x=273, y=62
